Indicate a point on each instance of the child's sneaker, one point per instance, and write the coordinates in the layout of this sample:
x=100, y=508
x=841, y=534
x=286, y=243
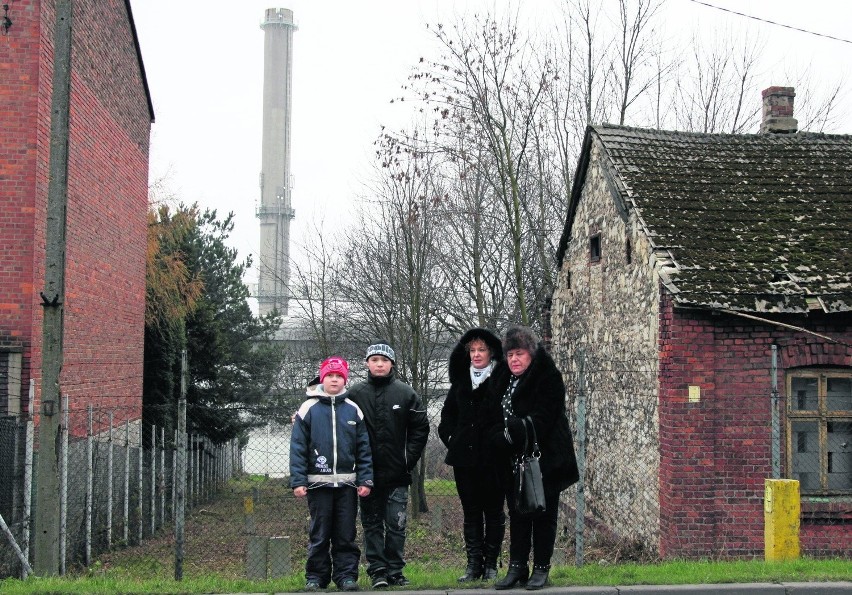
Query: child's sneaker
x=398, y=580
x=349, y=584
x=312, y=586
x=380, y=581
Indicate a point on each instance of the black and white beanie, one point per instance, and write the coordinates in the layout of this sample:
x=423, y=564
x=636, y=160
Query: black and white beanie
x=381, y=349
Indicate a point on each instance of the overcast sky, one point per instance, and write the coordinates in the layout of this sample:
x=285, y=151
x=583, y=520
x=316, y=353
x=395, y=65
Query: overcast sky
x=204, y=64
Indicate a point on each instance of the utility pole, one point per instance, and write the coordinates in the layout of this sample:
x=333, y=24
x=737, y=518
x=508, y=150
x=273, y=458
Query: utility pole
x=46, y=538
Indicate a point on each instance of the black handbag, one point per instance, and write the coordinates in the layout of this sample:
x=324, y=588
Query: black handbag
x=529, y=490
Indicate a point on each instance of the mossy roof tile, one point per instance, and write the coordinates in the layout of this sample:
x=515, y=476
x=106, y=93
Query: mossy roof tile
x=750, y=222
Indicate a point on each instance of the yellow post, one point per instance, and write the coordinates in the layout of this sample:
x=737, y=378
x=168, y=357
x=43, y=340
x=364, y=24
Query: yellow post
x=781, y=512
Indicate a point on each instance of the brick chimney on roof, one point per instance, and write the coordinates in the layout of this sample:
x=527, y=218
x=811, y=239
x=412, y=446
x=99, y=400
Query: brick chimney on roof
x=778, y=111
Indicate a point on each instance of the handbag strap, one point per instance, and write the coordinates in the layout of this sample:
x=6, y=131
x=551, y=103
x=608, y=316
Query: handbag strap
x=535, y=449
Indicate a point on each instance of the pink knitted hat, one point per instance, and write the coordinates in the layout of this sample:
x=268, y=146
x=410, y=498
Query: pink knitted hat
x=334, y=364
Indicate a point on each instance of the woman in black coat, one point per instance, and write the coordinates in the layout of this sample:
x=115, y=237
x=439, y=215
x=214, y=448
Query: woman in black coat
x=529, y=385
x=480, y=490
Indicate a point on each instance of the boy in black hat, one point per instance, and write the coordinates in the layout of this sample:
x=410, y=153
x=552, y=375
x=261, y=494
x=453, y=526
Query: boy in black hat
x=398, y=428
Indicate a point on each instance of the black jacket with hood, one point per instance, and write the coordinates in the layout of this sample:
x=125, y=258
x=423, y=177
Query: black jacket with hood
x=397, y=425
x=461, y=425
x=540, y=395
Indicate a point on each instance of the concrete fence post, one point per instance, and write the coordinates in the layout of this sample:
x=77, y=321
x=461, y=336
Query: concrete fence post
x=256, y=553
x=278, y=553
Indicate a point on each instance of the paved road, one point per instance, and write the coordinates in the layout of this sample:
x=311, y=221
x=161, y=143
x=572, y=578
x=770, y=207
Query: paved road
x=834, y=588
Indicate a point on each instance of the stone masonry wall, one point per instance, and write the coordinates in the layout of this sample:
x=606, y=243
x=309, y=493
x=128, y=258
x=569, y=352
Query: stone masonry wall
x=608, y=311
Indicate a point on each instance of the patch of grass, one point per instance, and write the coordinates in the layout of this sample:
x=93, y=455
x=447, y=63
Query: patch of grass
x=440, y=577
x=217, y=532
x=439, y=487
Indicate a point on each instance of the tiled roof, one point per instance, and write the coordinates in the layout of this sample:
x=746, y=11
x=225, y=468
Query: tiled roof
x=755, y=222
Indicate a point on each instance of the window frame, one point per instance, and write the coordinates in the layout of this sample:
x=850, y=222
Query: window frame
x=595, y=248
x=822, y=416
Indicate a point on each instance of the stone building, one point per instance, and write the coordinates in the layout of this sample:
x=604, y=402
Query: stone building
x=705, y=280
x=106, y=226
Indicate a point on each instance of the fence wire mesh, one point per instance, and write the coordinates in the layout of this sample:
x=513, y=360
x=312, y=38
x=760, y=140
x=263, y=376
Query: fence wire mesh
x=661, y=478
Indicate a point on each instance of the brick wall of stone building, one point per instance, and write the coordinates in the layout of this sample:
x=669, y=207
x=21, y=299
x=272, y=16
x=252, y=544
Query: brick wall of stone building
x=716, y=452
x=107, y=201
x=608, y=309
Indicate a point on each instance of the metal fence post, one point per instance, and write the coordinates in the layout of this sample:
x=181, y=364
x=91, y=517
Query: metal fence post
x=174, y=471
x=180, y=470
x=110, y=471
x=191, y=471
x=153, y=479
x=28, y=478
x=141, y=492
x=63, y=485
x=89, y=485
x=581, y=460
x=126, y=496
x=776, y=418
x=162, y=476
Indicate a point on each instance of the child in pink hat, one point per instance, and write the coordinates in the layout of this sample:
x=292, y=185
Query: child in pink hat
x=331, y=464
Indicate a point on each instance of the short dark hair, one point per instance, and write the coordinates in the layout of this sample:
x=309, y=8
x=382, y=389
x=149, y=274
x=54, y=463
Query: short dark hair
x=520, y=337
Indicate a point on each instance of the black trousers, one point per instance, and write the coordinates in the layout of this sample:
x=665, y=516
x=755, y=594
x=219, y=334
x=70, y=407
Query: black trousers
x=481, y=494
x=384, y=517
x=333, y=516
x=534, y=532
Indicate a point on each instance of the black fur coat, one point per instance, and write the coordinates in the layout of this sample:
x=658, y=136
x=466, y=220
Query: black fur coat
x=460, y=428
x=539, y=395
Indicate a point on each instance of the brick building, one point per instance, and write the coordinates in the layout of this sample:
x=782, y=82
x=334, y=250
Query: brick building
x=705, y=279
x=110, y=121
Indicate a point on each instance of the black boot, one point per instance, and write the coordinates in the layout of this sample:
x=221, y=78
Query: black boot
x=489, y=573
x=539, y=577
x=495, y=528
x=518, y=574
x=473, y=547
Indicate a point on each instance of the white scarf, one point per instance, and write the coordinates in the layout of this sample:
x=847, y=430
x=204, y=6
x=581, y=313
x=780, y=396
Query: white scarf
x=478, y=375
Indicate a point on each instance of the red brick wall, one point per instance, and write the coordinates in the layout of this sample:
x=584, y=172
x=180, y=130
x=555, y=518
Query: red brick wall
x=19, y=107
x=107, y=201
x=716, y=453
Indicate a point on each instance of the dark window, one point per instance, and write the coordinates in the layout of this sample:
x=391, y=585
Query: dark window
x=595, y=248
x=819, y=426
x=628, y=251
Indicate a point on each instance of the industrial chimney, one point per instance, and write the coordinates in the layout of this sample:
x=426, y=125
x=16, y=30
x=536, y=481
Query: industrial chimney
x=778, y=111
x=275, y=210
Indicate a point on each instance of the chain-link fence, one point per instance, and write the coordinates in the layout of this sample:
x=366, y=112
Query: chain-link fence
x=662, y=477
x=117, y=483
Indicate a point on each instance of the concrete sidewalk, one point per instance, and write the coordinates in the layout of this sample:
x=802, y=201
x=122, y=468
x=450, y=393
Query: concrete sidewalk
x=833, y=588
x=724, y=589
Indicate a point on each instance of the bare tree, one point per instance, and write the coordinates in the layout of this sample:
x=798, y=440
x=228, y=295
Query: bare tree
x=391, y=267
x=713, y=88
x=314, y=295
x=816, y=102
x=491, y=80
x=634, y=52
x=592, y=57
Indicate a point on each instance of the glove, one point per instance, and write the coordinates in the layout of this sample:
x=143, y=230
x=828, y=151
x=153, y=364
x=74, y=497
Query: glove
x=516, y=430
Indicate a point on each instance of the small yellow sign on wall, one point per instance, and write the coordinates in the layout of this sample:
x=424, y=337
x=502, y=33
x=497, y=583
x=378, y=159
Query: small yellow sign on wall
x=694, y=394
